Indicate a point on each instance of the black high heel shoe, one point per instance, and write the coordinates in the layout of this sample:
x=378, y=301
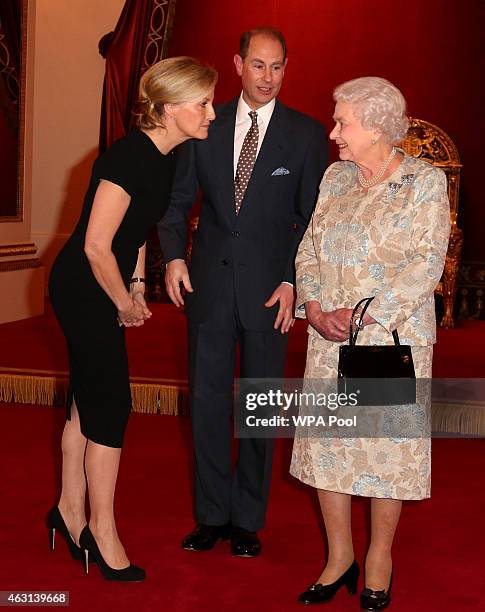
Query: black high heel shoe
x=127, y=574
x=322, y=593
x=375, y=600
x=55, y=521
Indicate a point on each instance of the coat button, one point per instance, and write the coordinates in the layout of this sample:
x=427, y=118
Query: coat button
x=224, y=262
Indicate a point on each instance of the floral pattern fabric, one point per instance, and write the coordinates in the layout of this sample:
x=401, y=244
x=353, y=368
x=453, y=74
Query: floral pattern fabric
x=389, y=243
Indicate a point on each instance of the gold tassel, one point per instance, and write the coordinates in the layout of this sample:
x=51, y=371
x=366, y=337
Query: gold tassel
x=159, y=399
x=170, y=397
x=460, y=418
x=50, y=389
x=30, y=389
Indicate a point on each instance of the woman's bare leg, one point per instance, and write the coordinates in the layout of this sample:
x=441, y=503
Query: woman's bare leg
x=72, y=502
x=102, y=464
x=378, y=564
x=336, y=511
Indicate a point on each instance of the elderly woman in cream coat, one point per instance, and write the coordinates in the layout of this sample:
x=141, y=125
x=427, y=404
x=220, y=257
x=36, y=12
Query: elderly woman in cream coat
x=380, y=228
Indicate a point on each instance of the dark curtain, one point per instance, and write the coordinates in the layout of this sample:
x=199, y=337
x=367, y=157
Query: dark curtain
x=138, y=41
x=10, y=62
x=10, y=23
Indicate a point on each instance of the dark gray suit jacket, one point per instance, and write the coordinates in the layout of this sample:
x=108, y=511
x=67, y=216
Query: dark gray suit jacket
x=256, y=249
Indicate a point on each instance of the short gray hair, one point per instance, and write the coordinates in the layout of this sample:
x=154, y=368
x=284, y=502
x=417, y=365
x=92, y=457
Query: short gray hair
x=378, y=104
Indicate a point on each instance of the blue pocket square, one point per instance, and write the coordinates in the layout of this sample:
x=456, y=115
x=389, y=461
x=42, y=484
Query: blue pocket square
x=280, y=171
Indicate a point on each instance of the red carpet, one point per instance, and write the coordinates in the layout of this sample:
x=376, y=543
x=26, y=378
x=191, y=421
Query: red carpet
x=438, y=555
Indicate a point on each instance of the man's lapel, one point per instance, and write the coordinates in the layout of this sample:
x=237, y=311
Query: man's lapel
x=274, y=143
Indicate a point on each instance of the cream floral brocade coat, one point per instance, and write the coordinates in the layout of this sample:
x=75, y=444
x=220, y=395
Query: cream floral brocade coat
x=390, y=243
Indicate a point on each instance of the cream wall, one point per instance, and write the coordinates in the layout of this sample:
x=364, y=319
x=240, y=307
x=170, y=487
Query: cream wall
x=68, y=84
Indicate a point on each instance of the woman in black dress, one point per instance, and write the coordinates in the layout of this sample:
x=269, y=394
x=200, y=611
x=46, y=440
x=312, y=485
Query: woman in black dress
x=97, y=288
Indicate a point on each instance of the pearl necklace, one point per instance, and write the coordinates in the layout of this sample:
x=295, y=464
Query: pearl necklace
x=366, y=183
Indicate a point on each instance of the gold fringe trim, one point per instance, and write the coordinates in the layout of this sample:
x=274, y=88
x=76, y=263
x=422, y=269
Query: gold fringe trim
x=461, y=418
x=170, y=397
x=28, y=389
x=49, y=388
x=159, y=399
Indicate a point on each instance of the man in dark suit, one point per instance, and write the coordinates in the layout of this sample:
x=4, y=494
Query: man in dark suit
x=259, y=173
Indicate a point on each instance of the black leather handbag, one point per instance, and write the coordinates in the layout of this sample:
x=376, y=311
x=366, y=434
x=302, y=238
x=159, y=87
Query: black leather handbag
x=379, y=375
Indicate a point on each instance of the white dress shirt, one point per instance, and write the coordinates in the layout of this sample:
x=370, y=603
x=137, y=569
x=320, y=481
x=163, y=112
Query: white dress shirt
x=243, y=123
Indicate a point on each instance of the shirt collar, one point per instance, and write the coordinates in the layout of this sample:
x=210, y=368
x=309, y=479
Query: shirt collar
x=264, y=113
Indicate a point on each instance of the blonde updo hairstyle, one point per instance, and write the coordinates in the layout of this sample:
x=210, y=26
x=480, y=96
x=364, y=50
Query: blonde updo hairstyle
x=171, y=81
x=378, y=104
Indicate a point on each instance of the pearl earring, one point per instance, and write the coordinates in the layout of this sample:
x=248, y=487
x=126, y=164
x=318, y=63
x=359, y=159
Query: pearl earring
x=373, y=141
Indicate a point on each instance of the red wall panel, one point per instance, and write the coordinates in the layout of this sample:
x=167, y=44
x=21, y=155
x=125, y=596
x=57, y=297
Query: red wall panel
x=430, y=49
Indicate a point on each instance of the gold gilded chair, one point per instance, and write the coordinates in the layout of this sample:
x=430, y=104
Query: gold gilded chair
x=429, y=142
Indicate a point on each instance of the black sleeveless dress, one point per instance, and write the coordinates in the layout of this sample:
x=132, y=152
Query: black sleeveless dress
x=99, y=380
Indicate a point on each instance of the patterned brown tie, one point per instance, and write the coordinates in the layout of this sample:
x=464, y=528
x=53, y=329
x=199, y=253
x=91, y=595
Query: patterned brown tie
x=246, y=160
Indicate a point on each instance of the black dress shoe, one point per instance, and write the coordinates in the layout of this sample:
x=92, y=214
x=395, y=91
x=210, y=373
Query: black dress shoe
x=204, y=537
x=88, y=544
x=55, y=521
x=321, y=593
x=375, y=600
x=245, y=543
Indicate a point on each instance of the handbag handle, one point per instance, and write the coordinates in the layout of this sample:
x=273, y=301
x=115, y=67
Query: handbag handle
x=353, y=335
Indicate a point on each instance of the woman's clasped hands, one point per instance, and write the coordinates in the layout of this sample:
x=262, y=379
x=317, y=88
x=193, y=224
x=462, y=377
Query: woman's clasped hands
x=333, y=325
x=136, y=311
